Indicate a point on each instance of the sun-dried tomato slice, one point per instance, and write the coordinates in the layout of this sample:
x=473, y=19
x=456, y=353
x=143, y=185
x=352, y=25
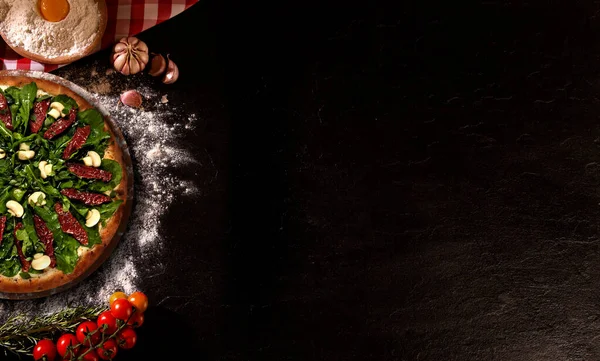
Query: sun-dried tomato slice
x=2, y=227
x=89, y=198
x=60, y=125
x=78, y=140
x=39, y=115
x=69, y=224
x=83, y=171
x=45, y=235
x=5, y=114
x=24, y=262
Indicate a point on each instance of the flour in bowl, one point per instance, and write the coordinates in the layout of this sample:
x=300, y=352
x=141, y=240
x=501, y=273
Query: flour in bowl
x=23, y=25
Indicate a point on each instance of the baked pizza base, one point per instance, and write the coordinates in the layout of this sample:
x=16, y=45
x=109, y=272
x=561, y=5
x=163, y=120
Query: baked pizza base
x=51, y=277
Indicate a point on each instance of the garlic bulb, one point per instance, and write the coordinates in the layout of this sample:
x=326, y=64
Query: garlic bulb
x=130, y=56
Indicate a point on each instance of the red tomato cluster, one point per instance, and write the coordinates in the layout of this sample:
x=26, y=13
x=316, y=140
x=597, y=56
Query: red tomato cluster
x=92, y=341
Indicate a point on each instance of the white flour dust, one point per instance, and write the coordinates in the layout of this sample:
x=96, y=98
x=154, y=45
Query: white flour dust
x=153, y=135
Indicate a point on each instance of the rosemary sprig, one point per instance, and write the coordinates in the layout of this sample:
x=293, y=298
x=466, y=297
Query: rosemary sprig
x=20, y=333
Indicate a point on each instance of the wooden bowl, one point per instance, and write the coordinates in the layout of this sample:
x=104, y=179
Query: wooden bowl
x=69, y=58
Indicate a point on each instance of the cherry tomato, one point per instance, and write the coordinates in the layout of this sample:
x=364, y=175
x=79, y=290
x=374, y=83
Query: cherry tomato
x=121, y=309
x=89, y=356
x=136, y=320
x=139, y=301
x=66, y=344
x=43, y=348
x=106, y=318
x=108, y=350
x=86, y=328
x=116, y=296
x=126, y=338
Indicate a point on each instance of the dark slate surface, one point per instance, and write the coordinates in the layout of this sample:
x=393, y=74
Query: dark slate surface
x=407, y=182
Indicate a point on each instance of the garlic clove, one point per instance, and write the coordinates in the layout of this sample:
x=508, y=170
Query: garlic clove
x=134, y=66
x=158, y=65
x=92, y=218
x=119, y=61
x=140, y=45
x=132, y=40
x=172, y=73
x=41, y=263
x=125, y=69
x=120, y=47
x=142, y=57
x=87, y=161
x=131, y=98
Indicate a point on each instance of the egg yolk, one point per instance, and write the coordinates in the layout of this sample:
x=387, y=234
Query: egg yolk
x=54, y=10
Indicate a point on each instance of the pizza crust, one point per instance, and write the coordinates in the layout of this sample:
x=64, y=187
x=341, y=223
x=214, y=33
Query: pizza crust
x=52, y=278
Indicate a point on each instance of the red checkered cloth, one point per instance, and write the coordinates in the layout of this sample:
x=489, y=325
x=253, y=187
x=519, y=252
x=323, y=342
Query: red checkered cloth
x=125, y=18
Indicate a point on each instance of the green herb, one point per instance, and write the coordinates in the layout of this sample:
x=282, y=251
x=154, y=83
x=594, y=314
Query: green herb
x=108, y=209
x=19, y=334
x=34, y=245
x=26, y=97
x=10, y=267
x=18, y=193
x=98, y=138
x=66, y=254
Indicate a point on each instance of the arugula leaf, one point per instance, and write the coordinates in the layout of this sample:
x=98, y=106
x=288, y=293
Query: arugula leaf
x=93, y=234
x=60, y=144
x=29, y=227
x=6, y=172
x=108, y=209
x=25, y=275
x=26, y=244
x=10, y=264
x=92, y=117
x=46, y=188
x=117, y=173
x=66, y=254
x=79, y=208
x=10, y=267
x=4, y=132
x=26, y=98
x=98, y=138
x=17, y=194
x=4, y=197
x=34, y=140
x=67, y=184
x=12, y=94
x=6, y=248
x=67, y=101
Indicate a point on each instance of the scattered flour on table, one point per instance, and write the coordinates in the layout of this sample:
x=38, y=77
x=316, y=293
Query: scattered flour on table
x=153, y=135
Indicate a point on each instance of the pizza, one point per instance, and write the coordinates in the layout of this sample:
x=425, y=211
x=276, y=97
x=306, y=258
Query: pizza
x=63, y=185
